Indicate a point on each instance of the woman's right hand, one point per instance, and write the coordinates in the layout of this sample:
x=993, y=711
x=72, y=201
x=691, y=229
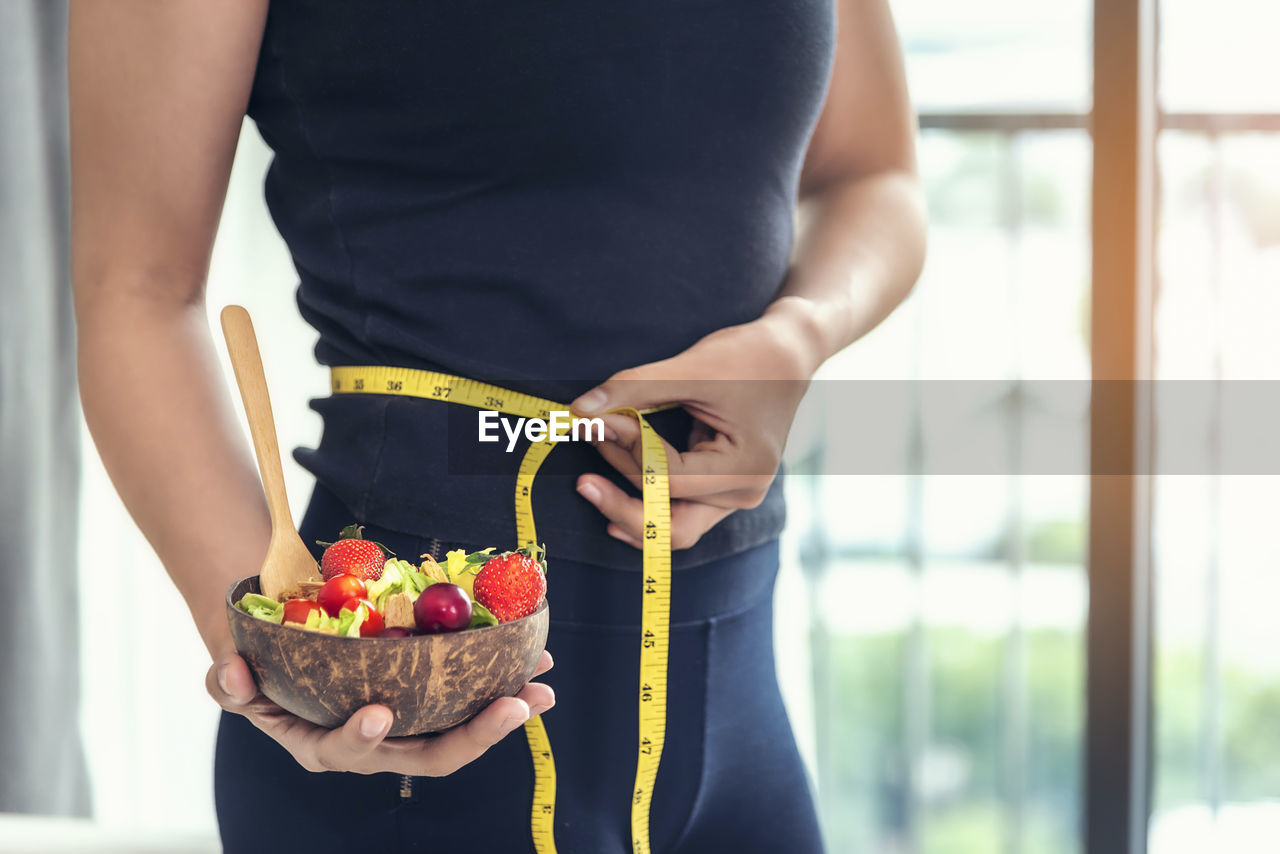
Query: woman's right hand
x=361, y=745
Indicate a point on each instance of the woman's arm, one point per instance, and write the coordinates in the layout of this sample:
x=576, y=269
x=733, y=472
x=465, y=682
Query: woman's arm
x=859, y=254
x=158, y=95
x=862, y=245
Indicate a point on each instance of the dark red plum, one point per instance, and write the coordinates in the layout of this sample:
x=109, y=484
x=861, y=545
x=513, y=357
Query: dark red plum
x=442, y=608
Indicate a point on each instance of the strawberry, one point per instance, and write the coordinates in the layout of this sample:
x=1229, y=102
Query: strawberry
x=353, y=555
x=511, y=585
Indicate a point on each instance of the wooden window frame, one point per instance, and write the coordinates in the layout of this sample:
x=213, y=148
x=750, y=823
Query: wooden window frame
x=1118, y=699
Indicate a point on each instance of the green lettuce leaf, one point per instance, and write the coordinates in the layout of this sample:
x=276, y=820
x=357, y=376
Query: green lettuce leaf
x=262, y=607
x=391, y=581
x=454, y=562
x=398, y=576
x=457, y=561
x=480, y=616
x=415, y=581
x=349, y=622
x=320, y=622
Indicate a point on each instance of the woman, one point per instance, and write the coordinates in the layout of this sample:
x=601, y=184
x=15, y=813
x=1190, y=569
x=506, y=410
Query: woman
x=593, y=202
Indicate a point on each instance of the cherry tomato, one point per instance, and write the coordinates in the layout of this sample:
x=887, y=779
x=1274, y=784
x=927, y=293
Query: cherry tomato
x=373, y=623
x=337, y=590
x=396, y=632
x=296, y=610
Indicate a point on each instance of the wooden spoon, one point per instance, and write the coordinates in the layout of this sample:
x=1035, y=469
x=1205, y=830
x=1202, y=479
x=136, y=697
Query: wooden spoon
x=288, y=562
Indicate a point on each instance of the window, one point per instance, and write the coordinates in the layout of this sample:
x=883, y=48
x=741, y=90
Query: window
x=948, y=652
x=1217, y=680
x=947, y=646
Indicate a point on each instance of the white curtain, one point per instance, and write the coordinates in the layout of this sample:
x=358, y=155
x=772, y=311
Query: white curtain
x=41, y=762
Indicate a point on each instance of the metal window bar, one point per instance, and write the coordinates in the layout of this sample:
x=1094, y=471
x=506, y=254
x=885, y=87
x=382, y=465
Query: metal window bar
x=1211, y=736
x=1014, y=677
x=814, y=558
x=916, y=697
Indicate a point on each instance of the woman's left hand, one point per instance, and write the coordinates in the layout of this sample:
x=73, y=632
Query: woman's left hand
x=742, y=385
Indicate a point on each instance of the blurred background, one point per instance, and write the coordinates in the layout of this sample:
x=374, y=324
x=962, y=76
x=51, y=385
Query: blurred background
x=931, y=628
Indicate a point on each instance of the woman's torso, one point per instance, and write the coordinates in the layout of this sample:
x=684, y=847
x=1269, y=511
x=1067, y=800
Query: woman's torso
x=534, y=193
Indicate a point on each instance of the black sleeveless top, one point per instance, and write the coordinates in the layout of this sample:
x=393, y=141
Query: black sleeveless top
x=535, y=193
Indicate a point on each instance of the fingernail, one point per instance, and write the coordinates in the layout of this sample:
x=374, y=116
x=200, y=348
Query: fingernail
x=610, y=434
x=372, y=726
x=592, y=401
x=590, y=491
x=222, y=678
x=508, y=724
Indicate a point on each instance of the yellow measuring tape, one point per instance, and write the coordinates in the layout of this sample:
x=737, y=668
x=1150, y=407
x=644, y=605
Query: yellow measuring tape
x=656, y=572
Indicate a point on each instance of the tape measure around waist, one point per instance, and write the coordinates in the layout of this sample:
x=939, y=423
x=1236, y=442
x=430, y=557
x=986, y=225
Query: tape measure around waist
x=655, y=575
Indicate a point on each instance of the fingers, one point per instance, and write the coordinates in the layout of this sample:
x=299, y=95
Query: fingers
x=625, y=512
x=649, y=385
x=317, y=748
x=437, y=756
x=230, y=683
x=714, y=470
x=619, y=533
x=345, y=748
x=361, y=745
x=689, y=519
x=538, y=697
x=545, y=663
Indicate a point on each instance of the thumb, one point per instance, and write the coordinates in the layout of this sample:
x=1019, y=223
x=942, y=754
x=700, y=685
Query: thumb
x=229, y=681
x=642, y=387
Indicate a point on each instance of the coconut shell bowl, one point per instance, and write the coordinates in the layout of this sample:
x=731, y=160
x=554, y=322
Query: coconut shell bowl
x=430, y=682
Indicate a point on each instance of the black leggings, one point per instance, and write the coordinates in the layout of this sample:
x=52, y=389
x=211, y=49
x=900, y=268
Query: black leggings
x=730, y=779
